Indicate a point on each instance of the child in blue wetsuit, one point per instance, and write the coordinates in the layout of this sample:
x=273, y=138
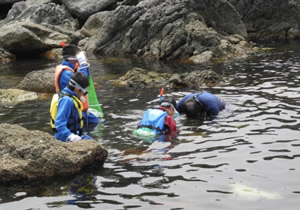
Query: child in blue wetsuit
x=74, y=60
x=200, y=105
x=68, y=121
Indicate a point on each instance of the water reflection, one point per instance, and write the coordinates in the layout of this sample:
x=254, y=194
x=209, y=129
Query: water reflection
x=248, y=153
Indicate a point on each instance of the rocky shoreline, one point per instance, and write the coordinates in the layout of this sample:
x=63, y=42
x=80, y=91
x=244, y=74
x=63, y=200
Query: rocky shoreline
x=193, y=31
x=188, y=30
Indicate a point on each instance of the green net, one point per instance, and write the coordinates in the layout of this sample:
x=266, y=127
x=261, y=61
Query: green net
x=93, y=100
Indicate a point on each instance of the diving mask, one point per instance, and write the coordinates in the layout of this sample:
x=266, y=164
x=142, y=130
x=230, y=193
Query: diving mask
x=176, y=114
x=168, y=104
x=74, y=84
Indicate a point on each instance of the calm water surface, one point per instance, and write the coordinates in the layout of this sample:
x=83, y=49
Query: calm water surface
x=246, y=158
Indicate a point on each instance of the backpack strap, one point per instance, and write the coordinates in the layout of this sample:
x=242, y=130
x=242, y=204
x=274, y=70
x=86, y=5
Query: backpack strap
x=200, y=104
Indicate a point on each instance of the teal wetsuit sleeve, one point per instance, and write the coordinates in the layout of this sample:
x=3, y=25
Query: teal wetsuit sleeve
x=65, y=106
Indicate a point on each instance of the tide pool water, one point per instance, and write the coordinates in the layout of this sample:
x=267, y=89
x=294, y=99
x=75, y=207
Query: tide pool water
x=245, y=158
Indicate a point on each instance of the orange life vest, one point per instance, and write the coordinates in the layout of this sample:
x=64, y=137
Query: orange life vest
x=59, y=69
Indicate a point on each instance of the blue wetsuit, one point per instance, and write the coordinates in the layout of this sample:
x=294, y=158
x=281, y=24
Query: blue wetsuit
x=212, y=104
x=64, y=80
x=67, y=119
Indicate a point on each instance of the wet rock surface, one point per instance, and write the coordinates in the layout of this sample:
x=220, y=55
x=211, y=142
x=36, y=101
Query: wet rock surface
x=41, y=81
x=141, y=78
x=10, y=97
x=35, y=154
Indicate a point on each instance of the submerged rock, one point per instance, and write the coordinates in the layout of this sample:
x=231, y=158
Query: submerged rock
x=141, y=78
x=9, y=97
x=194, y=80
x=26, y=154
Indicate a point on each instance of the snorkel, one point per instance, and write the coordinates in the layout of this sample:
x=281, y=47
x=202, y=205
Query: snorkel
x=176, y=114
x=62, y=44
x=161, y=94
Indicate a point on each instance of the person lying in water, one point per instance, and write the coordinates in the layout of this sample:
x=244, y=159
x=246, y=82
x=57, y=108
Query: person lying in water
x=200, y=105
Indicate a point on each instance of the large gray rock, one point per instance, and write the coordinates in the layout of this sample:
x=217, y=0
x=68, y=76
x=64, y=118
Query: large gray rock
x=26, y=154
x=42, y=12
x=94, y=22
x=5, y=2
x=193, y=30
x=39, y=81
x=83, y=9
x=171, y=29
x=270, y=19
x=34, y=27
x=29, y=38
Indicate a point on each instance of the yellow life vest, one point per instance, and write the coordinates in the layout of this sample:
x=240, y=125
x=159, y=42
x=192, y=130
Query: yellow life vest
x=54, y=109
